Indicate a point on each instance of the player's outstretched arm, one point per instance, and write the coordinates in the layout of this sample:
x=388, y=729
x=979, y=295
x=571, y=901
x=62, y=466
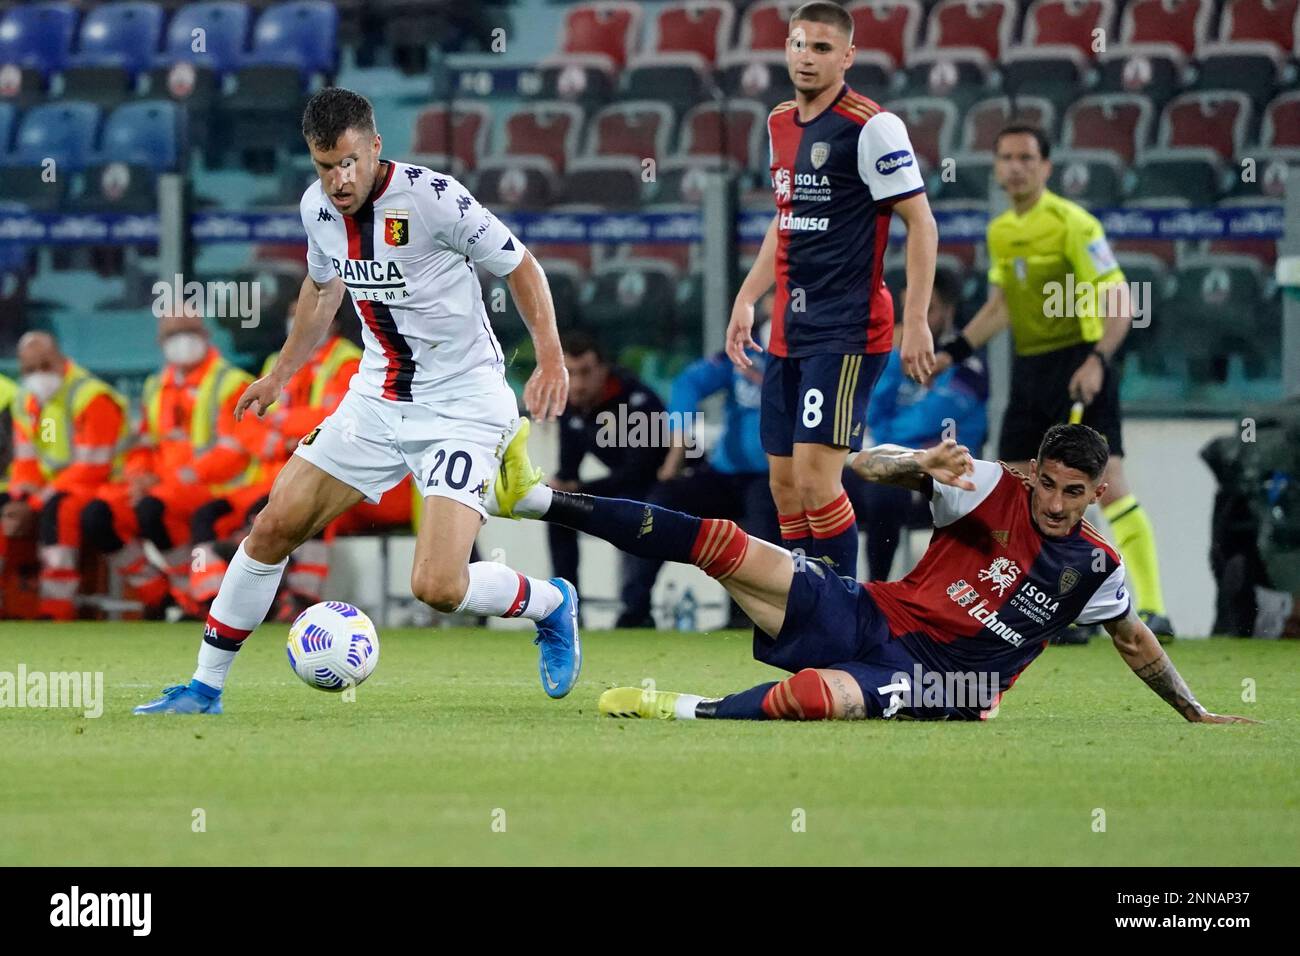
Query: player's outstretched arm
x=317, y=306
x=1143, y=653
x=947, y=463
x=762, y=276
x=547, y=390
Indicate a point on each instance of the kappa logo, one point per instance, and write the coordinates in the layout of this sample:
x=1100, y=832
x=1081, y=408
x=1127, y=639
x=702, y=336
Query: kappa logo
x=1069, y=578
x=1002, y=573
x=413, y=173
x=324, y=215
x=311, y=436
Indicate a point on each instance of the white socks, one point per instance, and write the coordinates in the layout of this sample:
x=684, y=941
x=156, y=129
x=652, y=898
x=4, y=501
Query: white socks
x=500, y=591
x=684, y=706
x=535, y=503
x=247, y=593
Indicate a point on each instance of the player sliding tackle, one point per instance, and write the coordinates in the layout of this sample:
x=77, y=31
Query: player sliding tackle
x=1011, y=563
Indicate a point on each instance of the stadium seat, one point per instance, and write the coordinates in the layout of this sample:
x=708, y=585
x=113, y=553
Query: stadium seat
x=1118, y=122
x=605, y=181
x=598, y=38
x=64, y=131
x=765, y=26
x=299, y=34
x=679, y=179
x=1060, y=44
x=452, y=139
x=1093, y=178
x=630, y=302
x=1266, y=183
x=225, y=32
x=548, y=130
x=1255, y=39
x=1148, y=350
x=738, y=131
x=1156, y=71
x=1184, y=24
x=968, y=185
x=689, y=36
x=1157, y=40
x=986, y=118
x=118, y=42
x=640, y=128
x=1208, y=289
x=147, y=133
x=757, y=75
x=1177, y=176
x=8, y=115
x=885, y=31
x=1281, y=125
x=965, y=40
x=38, y=37
x=931, y=125
x=526, y=182
x=1216, y=119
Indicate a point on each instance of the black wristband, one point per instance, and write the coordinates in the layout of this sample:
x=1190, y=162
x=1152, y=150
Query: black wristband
x=959, y=349
x=1105, y=362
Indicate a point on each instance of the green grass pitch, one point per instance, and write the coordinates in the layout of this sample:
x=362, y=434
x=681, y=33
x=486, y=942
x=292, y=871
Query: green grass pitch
x=451, y=754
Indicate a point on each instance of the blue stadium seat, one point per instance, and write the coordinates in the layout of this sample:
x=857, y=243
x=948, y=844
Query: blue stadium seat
x=225, y=31
x=63, y=131
x=38, y=36
x=147, y=133
x=301, y=33
x=7, y=115
x=118, y=42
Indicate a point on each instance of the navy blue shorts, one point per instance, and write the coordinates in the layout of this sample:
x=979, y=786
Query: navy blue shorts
x=833, y=622
x=819, y=399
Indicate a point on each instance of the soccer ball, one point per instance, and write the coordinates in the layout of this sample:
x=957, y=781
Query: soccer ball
x=332, y=646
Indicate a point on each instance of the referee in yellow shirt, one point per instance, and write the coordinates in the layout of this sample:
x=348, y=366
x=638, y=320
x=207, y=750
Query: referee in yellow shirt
x=1054, y=280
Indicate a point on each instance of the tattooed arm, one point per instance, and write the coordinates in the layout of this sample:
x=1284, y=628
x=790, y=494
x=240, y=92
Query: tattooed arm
x=947, y=462
x=1143, y=653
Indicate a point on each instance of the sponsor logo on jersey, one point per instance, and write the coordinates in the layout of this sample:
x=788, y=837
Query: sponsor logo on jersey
x=781, y=183
x=1002, y=573
x=892, y=162
x=819, y=154
x=373, y=280
x=793, y=223
x=964, y=594
x=397, y=227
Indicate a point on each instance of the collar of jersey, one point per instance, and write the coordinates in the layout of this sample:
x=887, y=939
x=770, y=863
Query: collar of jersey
x=844, y=88
x=374, y=197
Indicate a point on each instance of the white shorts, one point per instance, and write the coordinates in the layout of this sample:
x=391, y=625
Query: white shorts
x=453, y=448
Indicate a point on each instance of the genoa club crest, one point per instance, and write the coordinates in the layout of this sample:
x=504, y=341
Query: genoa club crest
x=397, y=227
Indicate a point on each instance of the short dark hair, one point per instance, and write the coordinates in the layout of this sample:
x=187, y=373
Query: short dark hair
x=823, y=11
x=1028, y=129
x=1076, y=446
x=580, y=342
x=333, y=111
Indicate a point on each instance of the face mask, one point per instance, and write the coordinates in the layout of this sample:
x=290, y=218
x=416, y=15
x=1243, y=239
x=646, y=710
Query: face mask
x=42, y=384
x=184, y=348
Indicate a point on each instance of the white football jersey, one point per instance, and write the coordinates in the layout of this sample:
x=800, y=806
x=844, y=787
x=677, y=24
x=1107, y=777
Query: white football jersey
x=407, y=257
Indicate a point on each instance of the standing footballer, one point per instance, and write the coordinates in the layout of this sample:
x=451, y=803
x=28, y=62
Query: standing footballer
x=1054, y=280
x=841, y=166
x=430, y=398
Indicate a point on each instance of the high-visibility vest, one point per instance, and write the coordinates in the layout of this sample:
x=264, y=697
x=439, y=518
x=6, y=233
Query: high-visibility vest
x=221, y=381
x=340, y=352
x=53, y=445
x=8, y=391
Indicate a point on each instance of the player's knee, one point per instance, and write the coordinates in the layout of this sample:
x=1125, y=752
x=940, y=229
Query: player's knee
x=274, y=536
x=442, y=592
x=803, y=696
x=785, y=494
x=815, y=490
x=719, y=547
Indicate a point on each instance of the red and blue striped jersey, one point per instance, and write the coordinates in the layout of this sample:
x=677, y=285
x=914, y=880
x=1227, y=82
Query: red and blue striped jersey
x=991, y=588
x=835, y=179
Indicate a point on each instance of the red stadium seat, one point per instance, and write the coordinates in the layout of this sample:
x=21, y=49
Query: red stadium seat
x=1060, y=43
x=766, y=25
x=603, y=31
x=639, y=129
x=983, y=25
x=1183, y=23
x=885, y=30
x=931, y=125
x=1215, y=120
x=1117, y=122
x=738, y=132
x=987, y=117
x=1281, y=126
x=702, y=27
x=452, y=140
x=548, y=130
x=1255, y=38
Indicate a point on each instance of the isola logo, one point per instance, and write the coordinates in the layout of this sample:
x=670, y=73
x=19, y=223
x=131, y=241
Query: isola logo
x=893, y=161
